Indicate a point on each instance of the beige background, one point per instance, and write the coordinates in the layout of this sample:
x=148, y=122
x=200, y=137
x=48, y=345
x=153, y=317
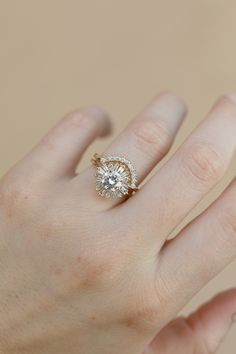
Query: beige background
x=57, y=55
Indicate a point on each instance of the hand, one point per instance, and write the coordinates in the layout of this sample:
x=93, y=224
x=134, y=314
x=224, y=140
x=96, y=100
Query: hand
x=84, y=274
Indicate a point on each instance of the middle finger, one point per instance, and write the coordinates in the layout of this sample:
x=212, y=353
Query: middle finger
x=194, y=169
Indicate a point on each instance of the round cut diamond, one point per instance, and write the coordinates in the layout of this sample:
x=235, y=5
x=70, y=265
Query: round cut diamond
x=114, y=177
x=111, y=180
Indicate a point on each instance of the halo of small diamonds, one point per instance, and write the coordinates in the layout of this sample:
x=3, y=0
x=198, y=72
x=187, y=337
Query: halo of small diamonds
x=115, y=177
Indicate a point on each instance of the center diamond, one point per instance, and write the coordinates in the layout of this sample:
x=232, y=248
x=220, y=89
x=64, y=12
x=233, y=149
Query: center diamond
x=114, y=177
x=111, y=180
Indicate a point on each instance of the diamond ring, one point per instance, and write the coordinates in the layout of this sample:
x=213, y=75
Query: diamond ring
x=115, y=176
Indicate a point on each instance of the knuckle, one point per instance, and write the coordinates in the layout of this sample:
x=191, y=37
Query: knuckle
x=94, y=272
x=204, y=164
x=143, y=318
x=75, y=120
x=17, y=195
x=152, y=137
x=184, y=330
x=99, y=272
x=145, y=312
x=199, y=344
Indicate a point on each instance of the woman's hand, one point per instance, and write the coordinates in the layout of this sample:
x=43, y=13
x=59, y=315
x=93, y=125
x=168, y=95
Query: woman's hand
x=83, y=274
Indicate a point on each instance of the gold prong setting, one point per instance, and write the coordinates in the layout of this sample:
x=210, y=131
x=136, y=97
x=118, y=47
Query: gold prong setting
x=115, y=176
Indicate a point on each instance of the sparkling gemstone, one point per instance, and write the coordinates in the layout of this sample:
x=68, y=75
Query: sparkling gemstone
x=114, y=177
x=111, y=180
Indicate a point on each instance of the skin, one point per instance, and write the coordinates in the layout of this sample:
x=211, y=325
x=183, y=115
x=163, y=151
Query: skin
x=83, y=274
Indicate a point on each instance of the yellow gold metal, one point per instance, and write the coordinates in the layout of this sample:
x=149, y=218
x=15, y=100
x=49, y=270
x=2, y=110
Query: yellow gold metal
x=96, y=160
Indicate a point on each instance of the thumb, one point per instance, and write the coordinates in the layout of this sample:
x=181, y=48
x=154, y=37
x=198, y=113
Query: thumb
x=202, y=332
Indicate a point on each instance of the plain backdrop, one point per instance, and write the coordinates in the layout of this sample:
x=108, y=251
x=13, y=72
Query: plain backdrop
x=57, y=55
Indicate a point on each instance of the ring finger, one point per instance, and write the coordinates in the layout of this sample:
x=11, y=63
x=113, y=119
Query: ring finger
x=144, y=142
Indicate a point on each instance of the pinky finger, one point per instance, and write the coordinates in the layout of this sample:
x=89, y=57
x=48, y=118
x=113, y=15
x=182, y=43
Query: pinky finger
x=201, y=250
x=58, y=153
